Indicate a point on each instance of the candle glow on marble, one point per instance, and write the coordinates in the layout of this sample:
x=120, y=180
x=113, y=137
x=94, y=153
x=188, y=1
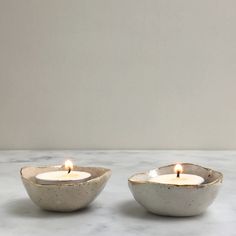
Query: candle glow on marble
x=68, y=175
x=176, y=179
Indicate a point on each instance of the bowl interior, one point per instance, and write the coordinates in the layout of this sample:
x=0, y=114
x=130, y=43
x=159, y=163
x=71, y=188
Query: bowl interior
x=30, y=172
x=209, y=175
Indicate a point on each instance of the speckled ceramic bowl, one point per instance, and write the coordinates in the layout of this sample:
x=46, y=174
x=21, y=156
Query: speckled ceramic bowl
x=176, y=200
x=64, y=197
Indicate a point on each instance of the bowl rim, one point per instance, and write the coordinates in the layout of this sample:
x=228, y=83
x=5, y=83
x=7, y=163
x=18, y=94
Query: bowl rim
x=107, y=172
x=217, y=180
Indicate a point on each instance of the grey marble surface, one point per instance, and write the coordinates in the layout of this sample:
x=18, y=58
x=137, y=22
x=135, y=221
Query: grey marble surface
x=114, y=212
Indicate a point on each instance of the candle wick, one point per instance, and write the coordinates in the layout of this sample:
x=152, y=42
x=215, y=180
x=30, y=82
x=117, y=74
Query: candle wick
x=178, y=174
x=69, y=170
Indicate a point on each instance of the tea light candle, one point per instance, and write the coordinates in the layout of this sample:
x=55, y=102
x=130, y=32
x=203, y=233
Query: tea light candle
x=56, y=177
x=176, y=179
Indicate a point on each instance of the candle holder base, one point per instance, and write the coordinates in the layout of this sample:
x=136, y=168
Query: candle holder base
x=64, y=197
x=176, y=200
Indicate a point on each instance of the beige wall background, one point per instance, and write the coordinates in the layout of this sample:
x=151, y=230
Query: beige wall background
x=129, y=74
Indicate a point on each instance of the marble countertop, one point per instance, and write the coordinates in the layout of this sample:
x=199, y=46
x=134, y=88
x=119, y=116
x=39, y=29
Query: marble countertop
x=114, y=212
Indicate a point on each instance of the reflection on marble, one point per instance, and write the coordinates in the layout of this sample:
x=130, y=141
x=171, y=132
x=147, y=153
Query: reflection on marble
x=114, y=212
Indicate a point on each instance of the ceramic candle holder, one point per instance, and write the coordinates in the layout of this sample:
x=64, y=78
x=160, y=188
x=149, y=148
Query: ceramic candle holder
x=176, y=200
x=64, y=197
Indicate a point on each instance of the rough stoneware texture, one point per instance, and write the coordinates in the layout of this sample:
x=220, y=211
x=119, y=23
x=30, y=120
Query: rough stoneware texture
x=65, y=196
x=175, y=200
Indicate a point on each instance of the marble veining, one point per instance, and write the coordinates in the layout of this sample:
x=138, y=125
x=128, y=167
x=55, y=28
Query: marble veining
x=114, y=212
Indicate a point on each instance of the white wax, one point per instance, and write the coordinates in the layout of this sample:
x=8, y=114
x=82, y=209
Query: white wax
x=55, y=177
x=184, y=179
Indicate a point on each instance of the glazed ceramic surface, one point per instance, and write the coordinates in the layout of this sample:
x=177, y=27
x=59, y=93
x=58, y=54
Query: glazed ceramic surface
x=176, y=200
x=64, y=196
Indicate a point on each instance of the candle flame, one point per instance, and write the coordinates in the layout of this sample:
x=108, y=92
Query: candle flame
x=178, y=168
x=68, y=165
